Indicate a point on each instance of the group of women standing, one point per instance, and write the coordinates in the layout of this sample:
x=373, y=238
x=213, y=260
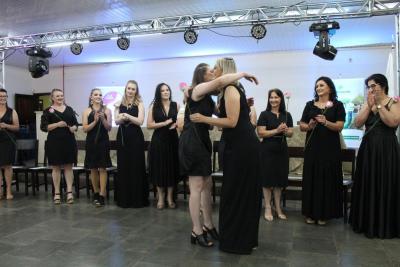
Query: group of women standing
x=248, y=165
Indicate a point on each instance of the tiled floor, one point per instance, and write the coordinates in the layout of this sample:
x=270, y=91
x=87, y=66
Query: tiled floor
x=34, y=232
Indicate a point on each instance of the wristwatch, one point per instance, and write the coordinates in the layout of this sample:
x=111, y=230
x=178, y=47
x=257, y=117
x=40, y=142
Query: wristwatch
x=378, y=106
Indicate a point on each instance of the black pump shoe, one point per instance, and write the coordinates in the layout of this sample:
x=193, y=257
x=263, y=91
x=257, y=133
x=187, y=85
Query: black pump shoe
x=212, y=232
x=200, y=239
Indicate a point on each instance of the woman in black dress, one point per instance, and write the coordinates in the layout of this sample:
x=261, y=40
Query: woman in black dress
x=60, y=122
x=132, y=188
x=8, y=125
x=195, y=150
x=163, y=153
x=375, y=205
x=274, y=125
x=96, y=122
x=323, y=120
x=240, y=206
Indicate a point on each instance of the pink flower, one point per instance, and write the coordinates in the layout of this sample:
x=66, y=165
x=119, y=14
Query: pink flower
x=329, y=104
x=287, y=95
x=396, y=99
x=182, y=86
x=51, y=110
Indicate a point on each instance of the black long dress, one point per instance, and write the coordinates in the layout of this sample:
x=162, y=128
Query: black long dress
x=7, y=141
x=61, y=144
x=163, y=153
x=240, y=206
x=322, y=197
x=194, y=143
x=97, y=145
x=132, y=188
x=375, y=205
x=274, y=150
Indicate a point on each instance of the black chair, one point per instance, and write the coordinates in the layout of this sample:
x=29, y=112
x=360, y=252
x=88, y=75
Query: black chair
x=217, y=175
x=347, y=155
x=26, y=157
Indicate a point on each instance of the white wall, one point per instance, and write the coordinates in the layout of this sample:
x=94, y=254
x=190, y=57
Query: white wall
x=17, y=81
x=294, y=71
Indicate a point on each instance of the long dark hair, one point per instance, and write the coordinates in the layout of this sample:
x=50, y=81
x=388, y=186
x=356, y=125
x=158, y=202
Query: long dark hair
x=198, y=74
x=379, y=79
x=282, y=106
x=2, y=90
x=157, y=101
x=331, y=85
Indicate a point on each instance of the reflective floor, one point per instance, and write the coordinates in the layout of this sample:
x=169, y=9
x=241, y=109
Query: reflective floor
x=34, y=232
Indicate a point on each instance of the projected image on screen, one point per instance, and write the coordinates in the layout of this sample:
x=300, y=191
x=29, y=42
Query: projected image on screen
x=351, y=94
x=111, y=95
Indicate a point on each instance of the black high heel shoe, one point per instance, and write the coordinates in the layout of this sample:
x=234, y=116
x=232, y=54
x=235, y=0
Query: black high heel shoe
x=200, y=239
x=212, y=232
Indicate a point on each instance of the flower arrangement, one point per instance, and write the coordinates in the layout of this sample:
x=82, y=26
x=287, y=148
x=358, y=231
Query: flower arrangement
x=328, y=105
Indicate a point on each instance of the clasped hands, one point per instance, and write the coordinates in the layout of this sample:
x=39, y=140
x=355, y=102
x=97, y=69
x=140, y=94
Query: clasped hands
x=62, y=124
x=317, y=119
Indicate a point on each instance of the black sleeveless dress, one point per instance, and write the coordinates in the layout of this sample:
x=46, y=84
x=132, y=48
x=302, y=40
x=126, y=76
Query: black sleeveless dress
x=132, y=188
x=322, y=197
x=240, y=206
x=163, y=153
x=97, y=145
x=7, y=141
x=195, y=147
x=274, y=150
x=61, y=144
x=375, y=205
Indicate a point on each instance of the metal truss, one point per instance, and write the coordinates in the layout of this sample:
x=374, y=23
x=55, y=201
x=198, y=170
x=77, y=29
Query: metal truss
x=2, y=69
x=265, y=14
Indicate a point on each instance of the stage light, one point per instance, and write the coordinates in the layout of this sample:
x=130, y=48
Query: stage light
x=324, y=30
x=190, y=36
x=258, y=31
x=38, y=63
x=76, y=48
x=123, y=43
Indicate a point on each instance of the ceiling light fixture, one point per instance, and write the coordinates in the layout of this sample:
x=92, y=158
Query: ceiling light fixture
x=76, y=48
x=190, y=36
x=123, y=43
x=258, y=31
x=324, y=30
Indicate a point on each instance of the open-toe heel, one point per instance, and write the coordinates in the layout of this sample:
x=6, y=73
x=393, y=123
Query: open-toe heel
x=200, y=239
x=70, y=198
x=212, y=232
x=57, y=199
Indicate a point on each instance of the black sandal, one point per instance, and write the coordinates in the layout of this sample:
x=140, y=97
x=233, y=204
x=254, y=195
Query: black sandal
x=200, y=239
x=212, y=232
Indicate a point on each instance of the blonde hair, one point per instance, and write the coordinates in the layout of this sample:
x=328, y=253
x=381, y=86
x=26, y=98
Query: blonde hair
x=52, y=93
x=136, y=100
x=227, y=65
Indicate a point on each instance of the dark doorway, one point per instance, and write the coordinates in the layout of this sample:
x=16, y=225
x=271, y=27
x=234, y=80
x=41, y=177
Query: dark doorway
x=24, y=106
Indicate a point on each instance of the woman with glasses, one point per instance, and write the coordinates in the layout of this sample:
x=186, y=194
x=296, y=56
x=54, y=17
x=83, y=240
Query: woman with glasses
x=375, y=205
x=9, y=124
x=132, y=188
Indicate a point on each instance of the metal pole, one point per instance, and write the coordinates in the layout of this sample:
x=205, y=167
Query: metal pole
x=2, y=70
x=397, y=87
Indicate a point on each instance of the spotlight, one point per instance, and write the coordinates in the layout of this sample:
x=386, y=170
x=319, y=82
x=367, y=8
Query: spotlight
x=76, y=48
x=323, y=49
x=190, y=36
x=258, y=31
x=38, y=63
x=123, y=43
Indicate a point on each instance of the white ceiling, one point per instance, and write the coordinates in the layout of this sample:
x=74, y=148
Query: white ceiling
x=52, y=15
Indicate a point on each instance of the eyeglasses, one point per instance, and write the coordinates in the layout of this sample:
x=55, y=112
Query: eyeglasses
x=372, y=86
